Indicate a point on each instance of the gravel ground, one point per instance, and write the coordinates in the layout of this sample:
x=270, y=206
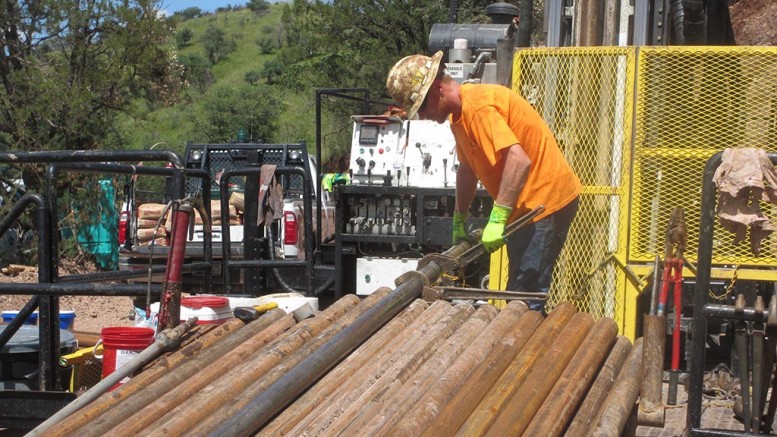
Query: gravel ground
x=92, y=312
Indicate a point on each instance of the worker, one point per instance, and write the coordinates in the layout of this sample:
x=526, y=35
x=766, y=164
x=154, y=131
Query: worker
x=505, y=144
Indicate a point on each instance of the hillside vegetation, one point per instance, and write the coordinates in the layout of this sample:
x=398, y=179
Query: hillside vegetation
x=266, y=77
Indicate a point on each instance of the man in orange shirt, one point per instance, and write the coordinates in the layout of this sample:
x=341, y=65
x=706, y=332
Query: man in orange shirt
x=502, y=141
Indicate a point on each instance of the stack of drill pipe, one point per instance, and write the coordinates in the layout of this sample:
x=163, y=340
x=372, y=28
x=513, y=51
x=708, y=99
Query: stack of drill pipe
x=193, y=373
x=473, y=336
x=574, y=382
x=343, y=373
x=473, y=408
x=371, y=370
x=495, y=348
x=150, y=377
x=518, y=409
x=588, y=413
x=376, y=410
x=226, y=378
x=252, y=389
x=620, y=402
x=402, y=357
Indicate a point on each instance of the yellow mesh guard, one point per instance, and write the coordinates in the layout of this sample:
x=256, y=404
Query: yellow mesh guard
x=689, y=103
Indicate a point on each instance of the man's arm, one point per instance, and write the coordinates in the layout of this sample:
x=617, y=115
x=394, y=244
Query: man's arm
x=466, y=186
x=516, y=170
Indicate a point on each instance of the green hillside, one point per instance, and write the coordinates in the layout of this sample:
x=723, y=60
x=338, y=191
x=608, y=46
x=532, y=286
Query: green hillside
x=174, y=125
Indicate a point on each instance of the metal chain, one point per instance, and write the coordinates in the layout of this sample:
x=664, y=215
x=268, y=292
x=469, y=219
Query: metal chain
x=729, y=288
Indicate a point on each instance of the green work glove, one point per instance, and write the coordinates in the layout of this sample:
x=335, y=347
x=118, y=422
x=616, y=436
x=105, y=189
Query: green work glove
x=493, y=233
x=459, y=228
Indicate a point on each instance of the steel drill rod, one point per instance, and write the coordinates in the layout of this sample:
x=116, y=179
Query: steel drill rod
x=356, y=415
x=281, y=393
x=478, y=250
x=253, y=388
x=651, y=407
x=559, y=407
x=590, y=410
x=519, y=410
x=165, y=341
x=381, y=366
x=502, y=334
x=193, y=374
x=624, y=394
x=731, y=312
x=184, y=412
x=740, y=338
x=498, y=379
x=772, y=409
x=145, y=379
x=393, y=404
x=758, y=373
x=340, y=375
x=74, y=289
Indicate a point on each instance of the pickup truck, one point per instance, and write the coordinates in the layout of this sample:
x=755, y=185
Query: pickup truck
x=145, y=244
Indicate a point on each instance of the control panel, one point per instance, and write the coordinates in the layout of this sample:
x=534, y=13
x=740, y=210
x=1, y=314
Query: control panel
x=389, y=151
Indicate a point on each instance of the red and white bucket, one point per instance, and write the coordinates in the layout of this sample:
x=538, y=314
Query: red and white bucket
x=120, y=345
x=209, y=310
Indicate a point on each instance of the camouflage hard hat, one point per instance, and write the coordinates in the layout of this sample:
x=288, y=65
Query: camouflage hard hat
x=410, y=79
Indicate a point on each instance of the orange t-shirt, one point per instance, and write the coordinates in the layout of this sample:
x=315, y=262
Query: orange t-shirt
x=494, y=118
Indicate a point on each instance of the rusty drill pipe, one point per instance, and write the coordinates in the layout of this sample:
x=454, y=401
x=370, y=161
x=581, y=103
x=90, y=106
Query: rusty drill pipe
x=203, y=402
x=357, y=414
x=520, y=408
x=170, y=303
x=499, y=335
x=559, y=407
x=261, y=410
x=503, y=369
x=620, y=401
x=378, y=367
x=589, y=412
x=191, y=375
x=164, y=341
x=161, y=366
x=253, y=388
x=651, y=407
x=344, y=371
x=394, y=403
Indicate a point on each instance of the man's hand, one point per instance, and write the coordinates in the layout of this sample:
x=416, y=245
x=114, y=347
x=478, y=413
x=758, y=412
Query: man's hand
x=493, y=233
x=459, y=228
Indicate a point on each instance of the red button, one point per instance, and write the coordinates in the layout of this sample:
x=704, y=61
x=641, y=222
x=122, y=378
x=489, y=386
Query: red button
x=380, y=151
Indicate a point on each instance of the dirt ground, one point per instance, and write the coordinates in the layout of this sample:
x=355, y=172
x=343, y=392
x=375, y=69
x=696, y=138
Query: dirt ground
x=92, y=313
x=753, y=22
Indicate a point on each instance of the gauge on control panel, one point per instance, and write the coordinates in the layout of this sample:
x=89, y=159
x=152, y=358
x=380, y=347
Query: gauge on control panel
x=368, y=134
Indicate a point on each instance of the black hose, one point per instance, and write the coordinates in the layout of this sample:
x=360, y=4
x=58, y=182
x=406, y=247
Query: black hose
x=282, y=282
x=694, y=21
x=677, y=16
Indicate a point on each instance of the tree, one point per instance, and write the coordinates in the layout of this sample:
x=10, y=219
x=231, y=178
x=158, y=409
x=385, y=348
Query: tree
x=258, y=7
x=216, y=44
x=68, y=69
x=272, y=71
x=266, y=46
x=349, y=44
x=251, y=77
x=183, y=38
x=190, y=12
x=226, y=108
x=197, y=72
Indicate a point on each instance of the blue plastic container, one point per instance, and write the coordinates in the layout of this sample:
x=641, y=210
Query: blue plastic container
x=8, y=317
x=66, y=318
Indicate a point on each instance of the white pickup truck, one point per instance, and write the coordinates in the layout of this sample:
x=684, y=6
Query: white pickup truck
x=142, y=246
